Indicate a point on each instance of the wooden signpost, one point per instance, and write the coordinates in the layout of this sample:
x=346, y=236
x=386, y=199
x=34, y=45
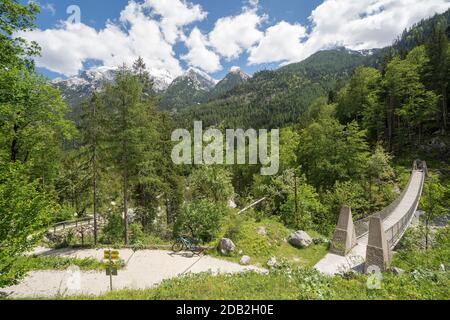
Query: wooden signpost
x=111, y=268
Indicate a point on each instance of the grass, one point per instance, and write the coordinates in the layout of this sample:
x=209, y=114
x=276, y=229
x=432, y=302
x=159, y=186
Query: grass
x=413, y=256
x=34, y=263
x=243, y=231
x=424, y=279
x=294, y=284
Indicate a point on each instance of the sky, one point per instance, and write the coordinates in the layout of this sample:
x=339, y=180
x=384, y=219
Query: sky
x=212, y=35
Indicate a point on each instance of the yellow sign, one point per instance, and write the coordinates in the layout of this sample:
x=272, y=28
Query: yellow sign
x=113, y=255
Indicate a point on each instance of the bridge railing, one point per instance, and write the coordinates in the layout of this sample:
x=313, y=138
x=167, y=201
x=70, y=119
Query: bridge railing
x=362, y=226
x=65, y=225
x=395, y=233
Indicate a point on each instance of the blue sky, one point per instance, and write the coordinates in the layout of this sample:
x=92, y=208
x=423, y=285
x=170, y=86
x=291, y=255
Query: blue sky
x=213, y=35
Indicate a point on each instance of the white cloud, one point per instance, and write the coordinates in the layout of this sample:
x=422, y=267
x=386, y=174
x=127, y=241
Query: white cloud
x=251, y=5
x=175, y=14
x=230, y=37
x=199, y=55
x=280, y=43
x=151, y=28
x=355, y=24
x=367, y=24
x=50, y=8
x=233, y=35
x=67, y=47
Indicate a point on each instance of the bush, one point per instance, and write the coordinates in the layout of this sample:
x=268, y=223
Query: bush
x=211, y=182
x=113, y=231
x=25, y=213
x=136, y=234
x=66, y=213
x=200, y=219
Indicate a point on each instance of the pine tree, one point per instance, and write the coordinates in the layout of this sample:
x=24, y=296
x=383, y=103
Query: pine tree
x=131, y=133
x=140, y=69
x=93, y=140
x=438, y=77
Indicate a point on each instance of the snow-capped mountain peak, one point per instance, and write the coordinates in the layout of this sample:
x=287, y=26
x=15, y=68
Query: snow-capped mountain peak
x=197, y=78
x=93, y=78
x=239, y=72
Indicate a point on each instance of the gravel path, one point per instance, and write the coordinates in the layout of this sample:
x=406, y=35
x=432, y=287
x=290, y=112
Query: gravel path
x=145, y=269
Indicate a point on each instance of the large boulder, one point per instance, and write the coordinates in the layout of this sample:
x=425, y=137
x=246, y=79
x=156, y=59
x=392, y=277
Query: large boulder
x=300, y=239
x=226, y=246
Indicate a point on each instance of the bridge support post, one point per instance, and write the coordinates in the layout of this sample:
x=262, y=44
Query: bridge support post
x=378, y=252
x=344, y=239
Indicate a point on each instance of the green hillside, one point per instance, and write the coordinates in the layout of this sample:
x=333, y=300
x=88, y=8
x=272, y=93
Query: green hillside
x=277, y=98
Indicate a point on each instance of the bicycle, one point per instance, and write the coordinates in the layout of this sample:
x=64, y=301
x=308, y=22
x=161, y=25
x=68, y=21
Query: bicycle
x=183, y=244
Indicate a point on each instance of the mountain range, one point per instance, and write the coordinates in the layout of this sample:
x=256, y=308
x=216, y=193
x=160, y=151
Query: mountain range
x=273, y=99
x=193, y=87
x=265, y=100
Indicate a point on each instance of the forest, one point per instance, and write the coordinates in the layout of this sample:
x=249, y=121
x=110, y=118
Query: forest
x=348, y=136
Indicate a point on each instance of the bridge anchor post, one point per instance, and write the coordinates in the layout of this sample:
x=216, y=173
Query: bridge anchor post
x=378, y=252
x=344, y=239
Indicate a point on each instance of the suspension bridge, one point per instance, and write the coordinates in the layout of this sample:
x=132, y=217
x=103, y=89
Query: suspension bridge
x=367, y=244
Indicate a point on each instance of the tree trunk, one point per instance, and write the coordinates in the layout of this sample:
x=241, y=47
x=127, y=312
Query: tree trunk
x=94, y=169
x=95, y=200
x=296, y=201
x=125, y=170
x=168, y=212
x=444, y=109
x=14, y=145
x=420, y=134
x=389, y=122
x=125, y=205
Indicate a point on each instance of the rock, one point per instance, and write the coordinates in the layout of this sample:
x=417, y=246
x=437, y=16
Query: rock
x=442, y=266
x=232, y=204
x=318, y=241
x=397, y=271
x=273, y=262
x=300, y=239
x=245, y=260
x=226, y=246
x=262, y=231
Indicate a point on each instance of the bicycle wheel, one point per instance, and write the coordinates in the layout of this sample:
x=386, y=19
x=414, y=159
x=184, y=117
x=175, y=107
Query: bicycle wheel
x=177, y=247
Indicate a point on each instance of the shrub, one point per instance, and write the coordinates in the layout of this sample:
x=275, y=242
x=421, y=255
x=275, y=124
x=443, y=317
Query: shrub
x=25, y=212
x=200, y=219
x=113, y=231
x=136, y=233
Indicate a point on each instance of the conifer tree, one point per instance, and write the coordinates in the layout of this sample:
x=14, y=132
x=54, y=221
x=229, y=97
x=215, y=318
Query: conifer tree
x=438, y=66
x=93, y=146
